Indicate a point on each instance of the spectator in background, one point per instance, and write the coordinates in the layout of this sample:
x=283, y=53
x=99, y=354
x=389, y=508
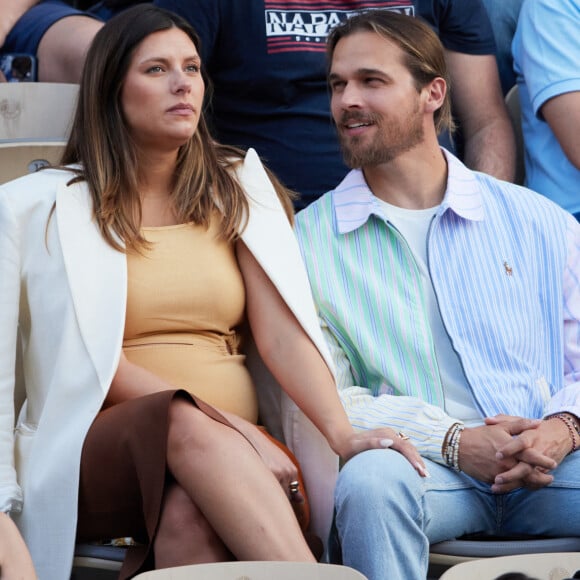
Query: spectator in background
x=546, y=50
x=266, y=60
x=57, y=34
x=503, y=15
x=267, y=63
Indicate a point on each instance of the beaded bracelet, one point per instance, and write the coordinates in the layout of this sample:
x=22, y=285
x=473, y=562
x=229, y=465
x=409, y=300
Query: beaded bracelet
x=447, y=450
x=575, y=423
x=450, y=450
x=449, y=447
x=445, y=446
x=455, y=444
x=570, y=425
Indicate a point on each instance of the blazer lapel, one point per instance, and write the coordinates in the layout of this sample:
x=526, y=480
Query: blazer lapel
x=97, y=275
x=271, y=240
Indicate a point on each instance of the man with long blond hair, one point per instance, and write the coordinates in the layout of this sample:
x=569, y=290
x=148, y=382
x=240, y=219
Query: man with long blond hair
x=452, y=301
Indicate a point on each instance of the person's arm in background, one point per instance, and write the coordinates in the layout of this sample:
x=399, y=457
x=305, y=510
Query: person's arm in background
x=503, y=17
x=62, y=48
x=478, y=104
x=10, y=13
x=562, y=113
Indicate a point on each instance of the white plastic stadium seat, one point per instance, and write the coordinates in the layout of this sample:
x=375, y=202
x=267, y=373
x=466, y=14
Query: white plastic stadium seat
x=554, y=566
x=255, y=571
x=36, y=111
x=35, y=120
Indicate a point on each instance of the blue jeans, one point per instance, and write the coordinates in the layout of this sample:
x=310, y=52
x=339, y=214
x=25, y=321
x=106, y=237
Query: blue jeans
x=386, y=515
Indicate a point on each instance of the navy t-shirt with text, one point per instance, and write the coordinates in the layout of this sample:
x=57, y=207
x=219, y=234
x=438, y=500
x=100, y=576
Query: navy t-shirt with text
x=266, y=59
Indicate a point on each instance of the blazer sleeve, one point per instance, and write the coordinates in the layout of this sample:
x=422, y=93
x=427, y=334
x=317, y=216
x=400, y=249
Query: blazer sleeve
x=10, y=493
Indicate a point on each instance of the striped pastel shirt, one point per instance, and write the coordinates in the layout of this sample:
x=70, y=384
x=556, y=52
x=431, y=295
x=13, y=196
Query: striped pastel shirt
x=505, y=267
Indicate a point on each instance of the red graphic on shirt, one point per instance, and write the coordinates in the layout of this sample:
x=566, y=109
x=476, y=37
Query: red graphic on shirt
x=298, y=26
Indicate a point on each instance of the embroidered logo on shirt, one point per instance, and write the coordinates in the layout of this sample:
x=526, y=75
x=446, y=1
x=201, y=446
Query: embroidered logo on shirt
x=508, y=269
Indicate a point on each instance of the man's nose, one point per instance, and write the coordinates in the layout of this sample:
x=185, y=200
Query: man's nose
x=351, y=96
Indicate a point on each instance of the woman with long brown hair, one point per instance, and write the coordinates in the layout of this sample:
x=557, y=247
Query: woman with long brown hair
x=134, y=280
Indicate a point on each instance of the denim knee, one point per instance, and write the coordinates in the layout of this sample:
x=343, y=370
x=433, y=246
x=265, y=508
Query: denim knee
x=376, y=479
x=379, y=516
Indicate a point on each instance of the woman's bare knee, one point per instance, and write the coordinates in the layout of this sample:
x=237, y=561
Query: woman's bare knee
x=190, y=430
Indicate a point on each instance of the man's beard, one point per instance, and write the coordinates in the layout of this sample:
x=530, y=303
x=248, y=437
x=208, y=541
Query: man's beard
x=391, y=139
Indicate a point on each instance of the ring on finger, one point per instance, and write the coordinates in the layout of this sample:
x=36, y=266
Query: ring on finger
x=293, y=487
x=402, y=436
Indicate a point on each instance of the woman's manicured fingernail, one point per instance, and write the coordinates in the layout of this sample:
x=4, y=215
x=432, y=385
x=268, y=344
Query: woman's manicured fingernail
x=422, y=470
x=386, y=442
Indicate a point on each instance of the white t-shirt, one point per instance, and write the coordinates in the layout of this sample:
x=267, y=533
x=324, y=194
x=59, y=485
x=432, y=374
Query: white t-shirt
x=413, y=225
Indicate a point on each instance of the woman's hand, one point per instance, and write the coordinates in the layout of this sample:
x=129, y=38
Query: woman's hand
x=276, y=460
x=15, y=561
x=382, y=438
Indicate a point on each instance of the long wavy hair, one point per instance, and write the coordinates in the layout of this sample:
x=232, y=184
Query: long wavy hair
x=424, y=53
x=101, y=147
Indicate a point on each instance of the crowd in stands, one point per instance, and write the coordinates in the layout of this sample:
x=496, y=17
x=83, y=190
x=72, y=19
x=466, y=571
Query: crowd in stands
x=283, y=111
x=427, y=323
x=285, y=105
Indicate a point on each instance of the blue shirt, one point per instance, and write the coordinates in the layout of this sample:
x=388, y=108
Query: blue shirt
x=505, y=267
x=546, y=49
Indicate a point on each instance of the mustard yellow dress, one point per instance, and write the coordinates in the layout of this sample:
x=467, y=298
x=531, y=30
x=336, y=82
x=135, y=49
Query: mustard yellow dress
x=185, y=307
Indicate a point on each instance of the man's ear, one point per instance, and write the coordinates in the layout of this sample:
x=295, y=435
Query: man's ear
x=435, y=93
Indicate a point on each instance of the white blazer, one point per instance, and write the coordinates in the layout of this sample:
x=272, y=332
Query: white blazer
x=63, y=291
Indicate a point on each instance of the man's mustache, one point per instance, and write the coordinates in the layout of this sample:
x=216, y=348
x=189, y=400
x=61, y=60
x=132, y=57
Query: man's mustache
x=350, y=117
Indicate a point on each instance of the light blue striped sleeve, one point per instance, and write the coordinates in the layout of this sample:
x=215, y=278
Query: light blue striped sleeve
x=568, y=398
x=425, y=424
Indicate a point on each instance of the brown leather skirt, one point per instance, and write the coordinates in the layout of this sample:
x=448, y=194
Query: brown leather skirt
x=123, y=474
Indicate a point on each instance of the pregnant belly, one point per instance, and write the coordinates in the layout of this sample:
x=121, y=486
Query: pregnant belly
x=213, y=374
